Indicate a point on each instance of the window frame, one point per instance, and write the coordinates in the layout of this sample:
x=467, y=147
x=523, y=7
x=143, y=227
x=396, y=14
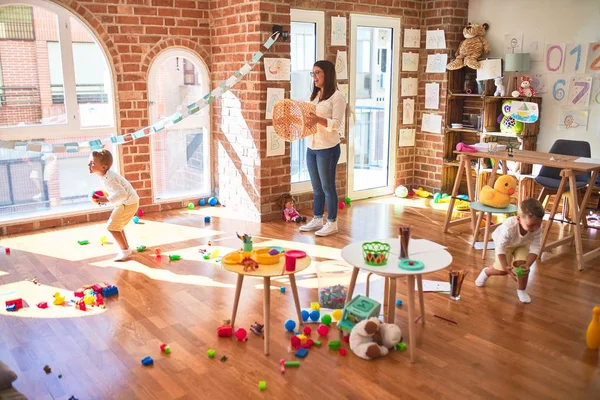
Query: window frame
x=73, y=125
x=317, y=18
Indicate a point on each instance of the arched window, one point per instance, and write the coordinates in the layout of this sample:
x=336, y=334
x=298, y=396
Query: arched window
x=181, y=154
x=55, y=87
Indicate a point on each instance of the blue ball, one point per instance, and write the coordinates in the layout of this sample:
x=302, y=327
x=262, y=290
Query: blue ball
x=282, y=289
x=202, y=202
x=398, y=303
x=207, y=219
x=136, y=219
x=315, y=315
x=212, y=201
x=290, y=325
x=305, y=315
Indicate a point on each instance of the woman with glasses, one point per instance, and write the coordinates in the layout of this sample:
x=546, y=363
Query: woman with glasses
x=323, y=150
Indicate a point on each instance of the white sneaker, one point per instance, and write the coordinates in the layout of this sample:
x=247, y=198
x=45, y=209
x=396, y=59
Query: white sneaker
x=123, y=255
x=314, y=225
x=328, y=229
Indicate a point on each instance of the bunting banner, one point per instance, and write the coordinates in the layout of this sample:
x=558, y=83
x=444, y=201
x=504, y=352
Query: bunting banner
x=164, y=123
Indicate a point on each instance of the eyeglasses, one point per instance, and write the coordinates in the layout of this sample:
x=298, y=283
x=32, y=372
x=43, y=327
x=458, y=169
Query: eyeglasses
x=313, y=73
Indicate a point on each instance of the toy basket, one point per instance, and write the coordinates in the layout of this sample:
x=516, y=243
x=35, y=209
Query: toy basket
x=290, y=119
x=334, y=279
x=376, y=253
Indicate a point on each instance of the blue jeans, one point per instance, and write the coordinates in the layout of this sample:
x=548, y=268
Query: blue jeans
x=321, y=168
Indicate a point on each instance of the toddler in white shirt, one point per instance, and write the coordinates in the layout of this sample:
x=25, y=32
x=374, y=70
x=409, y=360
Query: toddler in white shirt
x=517, y=245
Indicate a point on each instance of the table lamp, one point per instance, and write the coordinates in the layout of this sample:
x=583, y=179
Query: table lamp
x=516, y=63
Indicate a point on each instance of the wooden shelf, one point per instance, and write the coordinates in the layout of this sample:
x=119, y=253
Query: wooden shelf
x=500, y=134
x=451, y=163
x=465, y=130
x=460, y=95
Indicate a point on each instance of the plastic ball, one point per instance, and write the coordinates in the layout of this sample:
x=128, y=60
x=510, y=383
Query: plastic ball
x=290, y=325
x=282, y=289
x=94, y=194
x=323, y=330
x=140, y=213
x=212, y=201
x=326, y=319
x=136, y=219
x=348, y=200
x=401, y=191
x=241, y=334
x=336, y=314
x=341, y=205
x=307, y=330
x=315, y=315
x=202, y=202
x=305, y=315
x=191, y=206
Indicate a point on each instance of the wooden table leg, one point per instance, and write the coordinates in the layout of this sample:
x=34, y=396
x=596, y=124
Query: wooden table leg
x=355, y=272
x=421, y=300
x=459, y=174
x=486, y=234
x=411, y=317
x=236, y=300
x=296, y=299
x=561, y=189
x=476, y=230
x=267, y=313
x=576, y=219
x=470, y=188
x=392, y=301
x=386, y=295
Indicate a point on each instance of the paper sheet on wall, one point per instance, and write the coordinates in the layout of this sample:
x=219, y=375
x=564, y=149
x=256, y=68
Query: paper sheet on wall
x=408, y=111
x=277, y=69
x=344, y=89
x=273, y=96
x=412, y=38
x=576, y=56
x=338, y=31
x=435, y=39
x=436, y=63
x=410, y=62
x=539, y=81
x=573, y=120
x=513, y=43
x=593, y=61
x=595, y=96
x=580, y=89
x=554, y=57
x=490, y=69
x=409, y=87
x=431, y=123
x=432, y=96
x=275, y=145
x=341, y=65
x=407, y=138
x=534, y=45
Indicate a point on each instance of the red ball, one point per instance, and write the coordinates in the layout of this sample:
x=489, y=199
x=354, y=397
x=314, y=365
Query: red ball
x=346, y=339
x=7, y=250
x=342, y=352
x=341, y=205
x=307, y=330
x=140, y=213
x=323, y=330
x=162, y=347
x=240, y=334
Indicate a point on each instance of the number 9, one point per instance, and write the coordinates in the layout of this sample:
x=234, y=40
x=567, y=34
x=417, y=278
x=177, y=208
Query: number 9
x=559, y=93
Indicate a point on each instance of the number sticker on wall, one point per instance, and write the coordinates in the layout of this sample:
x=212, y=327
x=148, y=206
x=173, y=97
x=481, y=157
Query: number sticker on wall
x=555, y=58
x=559, y=90
x=594, y=57
x=580, y=90
x=576, y=57
x=595, y=96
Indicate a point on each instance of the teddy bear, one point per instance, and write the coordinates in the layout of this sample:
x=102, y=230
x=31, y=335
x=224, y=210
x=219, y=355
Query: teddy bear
x=471, y=48
x=371, y=338
x=525, y=90
x=500, y=89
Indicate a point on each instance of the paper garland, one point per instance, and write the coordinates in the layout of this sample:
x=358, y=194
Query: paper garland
x=164, y=123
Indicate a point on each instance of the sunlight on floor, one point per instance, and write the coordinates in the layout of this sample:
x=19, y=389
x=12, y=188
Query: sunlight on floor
x=219, y=211
x=62, y=243
x=194, y=254
x=33, y=294
x=397, y=201
x=3, y=273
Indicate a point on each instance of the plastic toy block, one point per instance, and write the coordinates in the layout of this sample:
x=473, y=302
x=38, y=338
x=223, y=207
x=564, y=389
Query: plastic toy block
x=302, y=338
x=223, y=358
x=99, y=286
x=99, y=300
x=282, y=289
x=315, y=305
x=47, y=369
x=358, y=309
x=398, y=303
x=211, y=353
x=225, y=331
x=262, y=385
x=335, y=345
x=401, y=346
x=207, y=219
x=110, y=291
x=80, y=305
x=89, y=299
x=174, y=257
x=11, y=308
x=83, y=242
x=79, y=293
x=301, y=353
x=317, y=343
x=147, y=361
x=141, y=248
x=206, y=256
x=16, y=304
x=42, y=305
x=292, y=363
x=7, y=250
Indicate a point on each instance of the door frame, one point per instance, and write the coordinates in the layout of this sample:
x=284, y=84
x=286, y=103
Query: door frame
x=376, y=22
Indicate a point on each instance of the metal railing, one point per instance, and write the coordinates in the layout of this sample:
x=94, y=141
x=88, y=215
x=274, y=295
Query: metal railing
x=19, y=95
x=86, y=93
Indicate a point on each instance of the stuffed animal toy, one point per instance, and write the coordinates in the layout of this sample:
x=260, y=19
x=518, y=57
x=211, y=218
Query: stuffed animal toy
x=499, y=195
x=422, y=192
x=371, y=338
x=471, y=48
x=525, y=90
x=500, y=89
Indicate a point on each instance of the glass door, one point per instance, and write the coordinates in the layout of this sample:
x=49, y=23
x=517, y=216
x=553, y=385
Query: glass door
x=374, y=98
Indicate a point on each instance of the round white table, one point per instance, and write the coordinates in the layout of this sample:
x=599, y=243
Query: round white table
x=432, y=255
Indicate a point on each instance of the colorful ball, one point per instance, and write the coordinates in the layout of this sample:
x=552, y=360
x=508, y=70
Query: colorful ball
x=315, y=315
x=290, y=325
x=337, y=314
x=191, y=206
x=212, y=201
x=307, y=330
x=305, y=315
x=136, y=219
x=241, y=334
x=140, y=213
x=341, y=205
x=202, y=202
x=323, y=330
x=348, y=200
x=401, y=191
x=94, y=194
x=326, y=319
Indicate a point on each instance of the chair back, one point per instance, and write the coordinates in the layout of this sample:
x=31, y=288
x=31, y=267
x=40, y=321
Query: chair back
x=577, y=148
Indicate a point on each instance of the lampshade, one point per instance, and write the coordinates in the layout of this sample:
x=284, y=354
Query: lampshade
x=517, y=62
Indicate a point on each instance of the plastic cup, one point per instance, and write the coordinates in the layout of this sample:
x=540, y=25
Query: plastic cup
x=248, y=246
x=290, y=263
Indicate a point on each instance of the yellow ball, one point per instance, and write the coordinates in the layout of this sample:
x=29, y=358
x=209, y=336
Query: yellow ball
x=336, y=314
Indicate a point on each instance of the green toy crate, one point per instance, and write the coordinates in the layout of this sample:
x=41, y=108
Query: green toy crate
x=375, y=253
x=358, y=309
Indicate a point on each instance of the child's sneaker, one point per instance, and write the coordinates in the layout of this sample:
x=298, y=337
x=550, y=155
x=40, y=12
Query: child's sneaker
x=123, y=255
x=480, y=281
x=523, y=296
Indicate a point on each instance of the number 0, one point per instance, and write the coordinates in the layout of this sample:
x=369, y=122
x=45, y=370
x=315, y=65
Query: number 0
x=550, y=49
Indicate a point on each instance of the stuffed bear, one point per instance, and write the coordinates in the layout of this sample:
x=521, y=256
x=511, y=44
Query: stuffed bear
x=471, y=48
x=371, y=338
x=525, y=90
x=500, y=89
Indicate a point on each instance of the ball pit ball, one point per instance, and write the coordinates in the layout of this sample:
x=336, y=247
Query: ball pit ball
x=315, y=315
x=202, y=202
x=136, y=219
x=212, y=201
x=290, y=325
x=323, y=330
x=398, y=303
x=336, y=314
x=342, y=352
x=95, y=194
x=341, y=205
x=305, y=315
x=211, y=353
x=167, y=350
x=191, y=206
x=240, y=334
x=401, y=191
x=307, y=330
x=140, y=213
x=326, y=319
x=348, y=200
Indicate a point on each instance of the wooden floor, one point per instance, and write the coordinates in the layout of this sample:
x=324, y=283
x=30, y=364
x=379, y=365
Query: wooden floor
x=498, y=349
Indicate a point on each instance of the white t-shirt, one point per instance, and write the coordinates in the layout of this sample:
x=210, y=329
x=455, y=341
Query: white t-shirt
x=508, y=235
x=334, y=110
x=119, y=189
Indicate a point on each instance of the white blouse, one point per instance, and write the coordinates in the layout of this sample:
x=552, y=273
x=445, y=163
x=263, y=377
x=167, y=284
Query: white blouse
x=334, y=110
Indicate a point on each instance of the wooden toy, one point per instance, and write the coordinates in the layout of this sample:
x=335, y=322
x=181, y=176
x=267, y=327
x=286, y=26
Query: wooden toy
x=358, y=309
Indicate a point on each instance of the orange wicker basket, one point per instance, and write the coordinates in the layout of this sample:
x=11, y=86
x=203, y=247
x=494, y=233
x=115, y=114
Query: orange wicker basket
x=290, y=119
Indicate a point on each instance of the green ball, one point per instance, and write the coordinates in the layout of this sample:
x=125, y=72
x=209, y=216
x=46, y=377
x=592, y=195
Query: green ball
x=191, y=206
x=211, y=353
x=326, y=319
x=167, y=350
x=348, y=200
x=519, y=271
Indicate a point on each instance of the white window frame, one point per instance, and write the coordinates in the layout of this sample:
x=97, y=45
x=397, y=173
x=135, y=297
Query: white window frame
x=73, y=125
x=317, y=18
x=206, y=116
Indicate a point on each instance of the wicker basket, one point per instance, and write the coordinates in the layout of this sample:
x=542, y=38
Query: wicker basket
x=290, y=119
x=376, y=253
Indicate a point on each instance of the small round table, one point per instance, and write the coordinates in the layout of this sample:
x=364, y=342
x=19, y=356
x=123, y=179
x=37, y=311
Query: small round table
x=431, y=254
x=266, y=272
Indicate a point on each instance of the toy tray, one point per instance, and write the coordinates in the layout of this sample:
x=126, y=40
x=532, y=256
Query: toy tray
x=230, y=263
x=416, y=266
